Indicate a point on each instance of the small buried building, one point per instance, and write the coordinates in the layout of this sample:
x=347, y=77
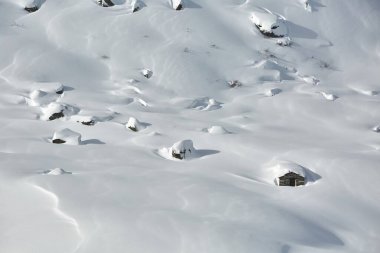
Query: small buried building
x=291, y=179
x=286, y=173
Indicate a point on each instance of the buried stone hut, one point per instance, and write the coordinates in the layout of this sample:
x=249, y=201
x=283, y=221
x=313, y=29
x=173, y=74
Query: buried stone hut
x=286, y=173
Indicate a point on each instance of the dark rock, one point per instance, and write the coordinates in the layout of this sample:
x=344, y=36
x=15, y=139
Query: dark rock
x=88, y=123
x=179, y=7
x=57, y=115
x=268, y=34
x=31, y=9
x=60, y=91
x=105, y=3
x=134, y=129
x=180, y=155
x=234, y=83
x=58, y=141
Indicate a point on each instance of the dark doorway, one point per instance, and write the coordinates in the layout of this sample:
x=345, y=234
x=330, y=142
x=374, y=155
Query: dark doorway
x=292, y=182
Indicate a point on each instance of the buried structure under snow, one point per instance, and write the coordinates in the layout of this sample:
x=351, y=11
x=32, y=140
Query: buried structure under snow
x=286, y=173
x=291, y=179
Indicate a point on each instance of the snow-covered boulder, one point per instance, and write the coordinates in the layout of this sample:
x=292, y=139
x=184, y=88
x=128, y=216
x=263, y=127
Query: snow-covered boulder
x=66, y=136
x=284, y=41
x=182, y=149
x=147, y=73
x=32, y=5
x=177, y=4
x=329, y=96
x=56, y=110
x=272, y=92
x=376, y=129
x=56, y=172
x=270, y=25
x=105, y=3
x=136, y=5
x=234, y=83
x=134, y=125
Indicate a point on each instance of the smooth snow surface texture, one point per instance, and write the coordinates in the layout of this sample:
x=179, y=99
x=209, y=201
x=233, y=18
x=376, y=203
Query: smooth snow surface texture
x=314, y=102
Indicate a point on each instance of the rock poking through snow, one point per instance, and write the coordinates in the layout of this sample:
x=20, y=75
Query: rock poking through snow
x=272, y=92
x=32, y=5
x=105, y=3
x=56, y=110
x=66, y=136
x=182, y=149
x=329, y=96
x=270, y=25
x=177, y=4
x=134, y=125
x=376, y=129
x=234, y=83
x=147, y=73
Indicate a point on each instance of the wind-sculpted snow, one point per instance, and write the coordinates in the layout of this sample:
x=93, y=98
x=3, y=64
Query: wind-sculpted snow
x=156, y=126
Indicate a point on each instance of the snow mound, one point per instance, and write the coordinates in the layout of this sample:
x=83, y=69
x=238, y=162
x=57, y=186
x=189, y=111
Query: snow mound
x=66, y=136
x=57, y=172
x=57, y=110
x=40, y=98
x=205, y=104
x=329, y=96
x=135, y=125
x=273, y=92
x=182, y=149
x=310, y=80
x=273, y=70
x=147, y=73
x=48, y=87
x=376, y=129
x=216, y=130
x=270, y=25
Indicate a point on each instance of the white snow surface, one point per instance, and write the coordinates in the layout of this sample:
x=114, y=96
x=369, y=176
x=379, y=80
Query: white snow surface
x=125, y=196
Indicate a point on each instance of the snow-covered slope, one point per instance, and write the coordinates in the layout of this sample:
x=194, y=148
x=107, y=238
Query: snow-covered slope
x=308, y=99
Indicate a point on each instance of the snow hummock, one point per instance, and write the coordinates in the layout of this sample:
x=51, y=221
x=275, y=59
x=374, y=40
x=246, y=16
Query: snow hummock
x=40, y=97
x=205, y=104
x=217, y=130
x=68, y=136
x=376, y=129
x=272, y=92
x=269, y=24
x=134, y=124
x=57, y=110
x=147, y=73
x=329, y=96
x=181, y=150
x=56, y=172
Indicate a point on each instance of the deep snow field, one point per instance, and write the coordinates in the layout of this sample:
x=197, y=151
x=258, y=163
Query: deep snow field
x=142, y=81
